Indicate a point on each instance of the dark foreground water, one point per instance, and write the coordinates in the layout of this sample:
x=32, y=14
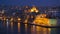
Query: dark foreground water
x=20, y=28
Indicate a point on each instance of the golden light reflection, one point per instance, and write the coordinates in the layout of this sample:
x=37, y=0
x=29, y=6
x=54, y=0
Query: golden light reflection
x=42, y=30
x=33, y=29
x=18, y=27
x=42, y=20
x=38, y=28
x=25, y=27
x=12, y=26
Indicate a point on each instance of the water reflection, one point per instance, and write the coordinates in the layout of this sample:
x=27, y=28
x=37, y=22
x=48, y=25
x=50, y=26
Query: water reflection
x=21, y=28
x=11, y=26
x=7, y=24
x=18, y=27
x=26, y=28
x=14, y=28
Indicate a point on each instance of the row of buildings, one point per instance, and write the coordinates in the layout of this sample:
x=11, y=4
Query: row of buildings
x=51, y=12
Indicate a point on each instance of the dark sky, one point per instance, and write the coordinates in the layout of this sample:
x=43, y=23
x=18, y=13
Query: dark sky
x=31, y=2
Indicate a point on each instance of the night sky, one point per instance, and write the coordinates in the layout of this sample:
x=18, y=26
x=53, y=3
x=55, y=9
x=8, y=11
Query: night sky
x=31, y=2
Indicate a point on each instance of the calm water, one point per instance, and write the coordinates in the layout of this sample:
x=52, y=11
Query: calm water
x=20, y=28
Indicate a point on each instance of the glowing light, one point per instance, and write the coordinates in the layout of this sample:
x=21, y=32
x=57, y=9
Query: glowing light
x=41, y=20
x=19, y=19
x=4, y=18
x=42, y=15
x=34, y=9
x=26, y=21
x=37, y=11
x=11, y=19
